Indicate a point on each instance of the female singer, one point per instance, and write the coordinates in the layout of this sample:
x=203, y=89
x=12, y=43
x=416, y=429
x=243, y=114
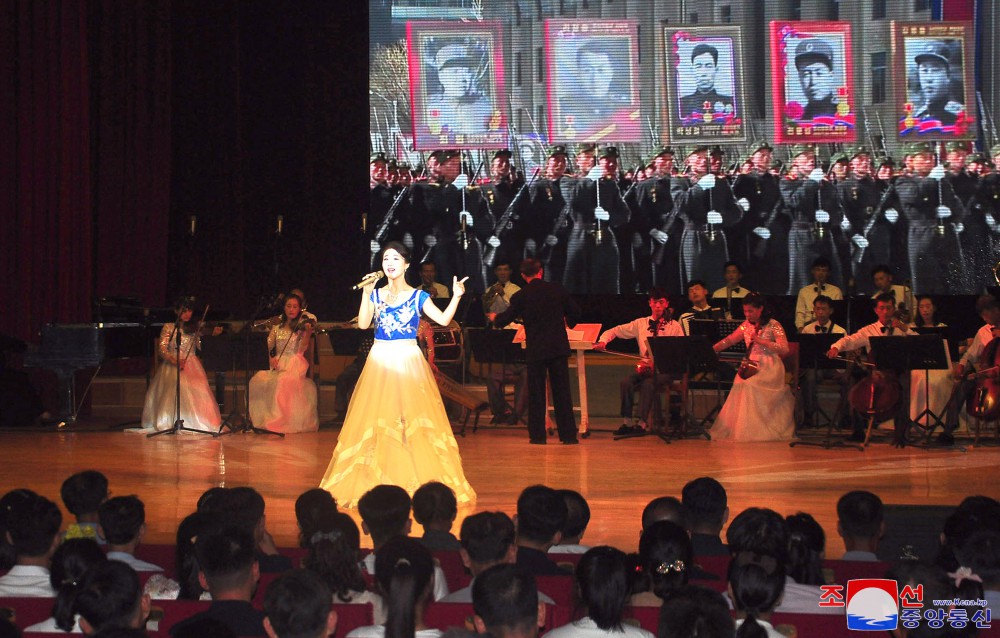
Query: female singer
x=282, y=399
x=939, y=381
x=759, y=408
x=199, y=411
x=396, y=430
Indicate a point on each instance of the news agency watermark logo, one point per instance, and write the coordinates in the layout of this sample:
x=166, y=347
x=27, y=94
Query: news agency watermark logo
x=878, y=604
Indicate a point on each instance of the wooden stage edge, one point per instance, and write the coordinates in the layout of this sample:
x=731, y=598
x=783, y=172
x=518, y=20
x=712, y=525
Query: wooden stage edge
x=618, y=478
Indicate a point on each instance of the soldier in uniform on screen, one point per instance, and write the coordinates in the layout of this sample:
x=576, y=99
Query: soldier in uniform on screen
x=934, y=76
x=461, y=106
x=594, y=97
x=704, y=68
x=814, y=64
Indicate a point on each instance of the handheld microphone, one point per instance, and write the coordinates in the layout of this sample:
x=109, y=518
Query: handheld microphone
x=371, y=277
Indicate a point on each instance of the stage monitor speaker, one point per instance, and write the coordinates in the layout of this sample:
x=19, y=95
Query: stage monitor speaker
x=912, y=532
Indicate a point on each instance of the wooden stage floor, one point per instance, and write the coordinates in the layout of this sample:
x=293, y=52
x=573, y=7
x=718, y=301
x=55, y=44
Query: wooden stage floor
x=617, y=478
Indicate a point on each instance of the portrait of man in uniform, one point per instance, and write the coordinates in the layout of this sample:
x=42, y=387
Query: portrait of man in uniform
x=935, y=89
x=704, y=67
x=461, y=105
x=814, y=64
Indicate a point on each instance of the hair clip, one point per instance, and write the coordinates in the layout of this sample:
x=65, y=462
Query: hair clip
x=403, y=561
x=331, y=536
x=666, y=568
x=964, y=573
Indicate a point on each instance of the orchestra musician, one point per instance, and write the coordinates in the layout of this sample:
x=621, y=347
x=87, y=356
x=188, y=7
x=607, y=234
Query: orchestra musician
x=888, y=325
x=733, y=290
x=659, y=323
x=760, y=406
x=283, y=399
x=496, y=300
x=198, y=409
x=988, y=309
x=807, y=294
x=821, y=324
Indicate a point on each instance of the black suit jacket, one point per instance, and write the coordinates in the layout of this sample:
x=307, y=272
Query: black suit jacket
x=545, y=308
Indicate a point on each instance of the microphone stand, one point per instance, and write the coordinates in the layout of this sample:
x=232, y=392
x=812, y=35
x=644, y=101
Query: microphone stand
x=178, y=425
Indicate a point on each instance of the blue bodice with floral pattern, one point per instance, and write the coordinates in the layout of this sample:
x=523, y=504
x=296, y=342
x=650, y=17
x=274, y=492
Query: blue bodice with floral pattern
x=399, y=321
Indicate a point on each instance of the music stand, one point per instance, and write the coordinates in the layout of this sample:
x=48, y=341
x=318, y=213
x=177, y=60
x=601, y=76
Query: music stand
x=921, y=352
x=347, y=341
x=253, y=354
x=493, y=346
x=812, y=355
x=714, y=330
x=683, y=356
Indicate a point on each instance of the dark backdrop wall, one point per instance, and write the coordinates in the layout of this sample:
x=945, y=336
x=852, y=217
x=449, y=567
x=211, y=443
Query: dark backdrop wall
x=122, y=120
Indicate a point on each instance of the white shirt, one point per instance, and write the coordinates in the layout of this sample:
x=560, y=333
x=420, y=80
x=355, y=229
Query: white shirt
x=587, y=628
x=639, y=330
x=812, y=328
x=803, y=599
x=983, y=336
x=49, y=626
x=860, y=339
x=135, y=563
x=464, y=595
x=771, y=631
x=26, y=580
x=378, y=631
x=899, y=293
x=738, y=293
x=440, y=583
x=502, y=302
x=808, y=294
x=579, y=549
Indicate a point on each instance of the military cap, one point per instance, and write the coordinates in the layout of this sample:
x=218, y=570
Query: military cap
x=376, y=157
x=701, y=148
x=957, y=145
x=799, y=149
x=884, y=160
x=716, y=150
x=813, y=50
x=392, y=164
x=857, y=150
x=586, y=148
x=504, y=152
x=976, y=158
x=455, y=55
x=918, y=148
x=838, y=158
x=663, y=150
x=608, y=151
x=403, y=166
x=760, y=145
x=933, y=51
x=558, y=149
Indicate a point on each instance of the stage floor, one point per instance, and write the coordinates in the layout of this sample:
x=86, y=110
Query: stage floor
x=618, y=478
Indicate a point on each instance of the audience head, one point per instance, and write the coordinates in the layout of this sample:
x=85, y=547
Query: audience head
x=110, y=595
x=310, y=506
x=860, y=520
x=577, y=516
x=974, y=514
x=435, y=506
x=8, y=503
x=707, y=505
x=541, y=514
x=603, y=581
x=297, y=605
x=756, y=583
x=83, y=492
x=210, y=497
x=937, y=585
x=666, y=557
x=505, y=603
x=487, y=540
x=334, y=550
x=980, y=556
x=70, y=563
x=385, y=512
x=693, y=611
x=404, y=569
x=123, y=519
x=193, y=526
x=32, y=526
x=760, y=531
x=806, y=543
x=666, y=508
x=227, y=563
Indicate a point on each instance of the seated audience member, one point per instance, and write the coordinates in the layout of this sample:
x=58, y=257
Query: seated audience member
x=541, y=514
x=244, y=506
x=708, y=510
x=979, y=562
x=644, y=380
x=7, y=554
x=506, y=604
x=577, y=519
x=122, y=525
x=665, y=559
x=110, y=595
x=228, y=569
x=936, y=585
x=69, y=565
x=82, y=494
x=693, y=611
x=334, y=554
x=188, y=585
x=132, y=632
x=385, y=514
x=603, y=583
x=310, y=507
x=666, y=508
x=8, y=629
x=762, y=531
x=404, y=570
x=973, y=514
x=205, y=628
x=435, y=508
x=32, y=529
x=756, y=583
x=297, y=605
x=487, y=539
x=861, y=524
x=806, y=549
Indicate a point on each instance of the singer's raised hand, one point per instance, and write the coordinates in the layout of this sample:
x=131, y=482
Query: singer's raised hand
x=369, y=286
x=458, y=286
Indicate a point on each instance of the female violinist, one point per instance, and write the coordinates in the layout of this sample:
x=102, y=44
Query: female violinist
x=282, y=399
x=760, y=406
x=199, y=410
x=929, y=389
x=881, y=384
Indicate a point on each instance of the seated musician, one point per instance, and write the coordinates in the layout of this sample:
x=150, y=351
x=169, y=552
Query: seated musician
x=700, y=307
x=804, y=304
x=888, y=325
x=496, y=299
x=821, y=324
x=981, y=355
x=723, y=297
x=929, y=389
x=882, y=280
x=659, y=323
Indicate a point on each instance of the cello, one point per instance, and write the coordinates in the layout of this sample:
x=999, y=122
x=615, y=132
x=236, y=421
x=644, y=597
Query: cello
x=984, y=402
x=877, y=394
